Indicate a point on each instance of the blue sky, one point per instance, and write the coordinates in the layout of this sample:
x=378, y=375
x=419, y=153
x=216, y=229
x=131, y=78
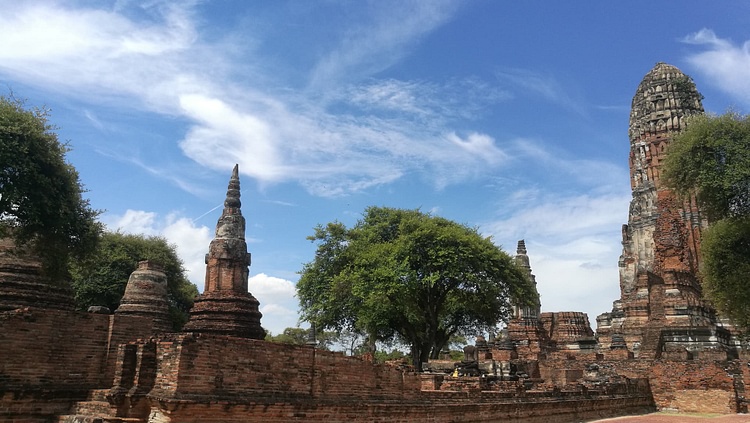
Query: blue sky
x=508, y=116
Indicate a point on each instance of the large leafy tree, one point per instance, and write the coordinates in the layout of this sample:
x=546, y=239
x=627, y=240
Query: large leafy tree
x=407, y=275
x=710, y=159
x=41, y=203
x=101, y=278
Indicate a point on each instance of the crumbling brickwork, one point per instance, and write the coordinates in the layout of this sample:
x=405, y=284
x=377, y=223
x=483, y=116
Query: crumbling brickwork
x=661, y=306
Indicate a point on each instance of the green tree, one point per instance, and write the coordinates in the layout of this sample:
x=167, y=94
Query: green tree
x=41, y=201
x=300, y=336
x=710, y=159
x=101, y=278
x=407, y=275
x=725, y=249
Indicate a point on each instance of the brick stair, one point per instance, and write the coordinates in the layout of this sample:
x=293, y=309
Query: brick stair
x=96, y=409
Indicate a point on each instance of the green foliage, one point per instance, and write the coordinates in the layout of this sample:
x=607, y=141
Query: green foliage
x=711, y=159
x=300, y=336
x=725, y=248
x=382, y=356
x=408, y=276
x=101, y=278
x=40, y=195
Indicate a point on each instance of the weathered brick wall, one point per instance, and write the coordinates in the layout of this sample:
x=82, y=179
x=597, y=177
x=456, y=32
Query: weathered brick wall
x=685, y=385
x=124, y=329
x=52, y=358
x=52, y=349
x=55, y=348
x=214, y=378
x=694, y=386
x=433, y=407
x=194, y=366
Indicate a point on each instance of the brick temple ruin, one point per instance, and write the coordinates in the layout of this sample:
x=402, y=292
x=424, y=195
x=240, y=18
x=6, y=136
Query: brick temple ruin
x=662, y=346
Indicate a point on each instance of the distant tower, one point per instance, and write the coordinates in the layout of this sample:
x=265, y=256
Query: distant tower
x=660, y=295
x=522, y=261
x=226, y=307
x=525, y=329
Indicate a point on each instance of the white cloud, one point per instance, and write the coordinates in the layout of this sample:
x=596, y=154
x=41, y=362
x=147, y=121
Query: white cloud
x=224, y=135
x=132, y=222
x=392, y=94
x=192, y=245
x=277, y=301
x=565, y=217
x=65, y=48
x=479, y=145
x=573, y=239
x=602, y=175
x=276, y=318
x=724, y=63
x=165, y=65
x=269, y=289
x=425, y=101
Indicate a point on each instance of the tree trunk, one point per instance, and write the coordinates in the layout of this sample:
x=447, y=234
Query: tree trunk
x=416, y=360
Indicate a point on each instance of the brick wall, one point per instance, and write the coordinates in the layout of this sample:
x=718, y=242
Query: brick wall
x=60, y=349
x=51, y=358
x=201, y=366
x=434, y=407
x=52, y=349
x=685, y=385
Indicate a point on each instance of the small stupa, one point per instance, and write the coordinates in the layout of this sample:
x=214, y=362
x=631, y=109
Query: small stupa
x=146, y=295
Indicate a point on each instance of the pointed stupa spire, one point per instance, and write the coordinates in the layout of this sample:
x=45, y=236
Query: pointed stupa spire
x=233, y=191
x=226, y=307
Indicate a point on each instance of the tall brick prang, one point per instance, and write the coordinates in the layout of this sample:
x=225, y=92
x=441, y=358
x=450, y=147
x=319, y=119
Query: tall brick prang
x=226, y=307
x=661, y=306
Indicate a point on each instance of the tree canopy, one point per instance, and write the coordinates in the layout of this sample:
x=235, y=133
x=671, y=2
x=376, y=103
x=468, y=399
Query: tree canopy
x=41, y=201
x=711, y=160
x=101, y=278
x=725, y=249
x=407, y=275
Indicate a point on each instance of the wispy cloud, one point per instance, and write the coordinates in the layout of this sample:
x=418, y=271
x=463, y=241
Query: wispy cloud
x=392, y=28
x=163, y=64
x=724, y=63
x=465, y=98
x=546, y=86
x=601, y=175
